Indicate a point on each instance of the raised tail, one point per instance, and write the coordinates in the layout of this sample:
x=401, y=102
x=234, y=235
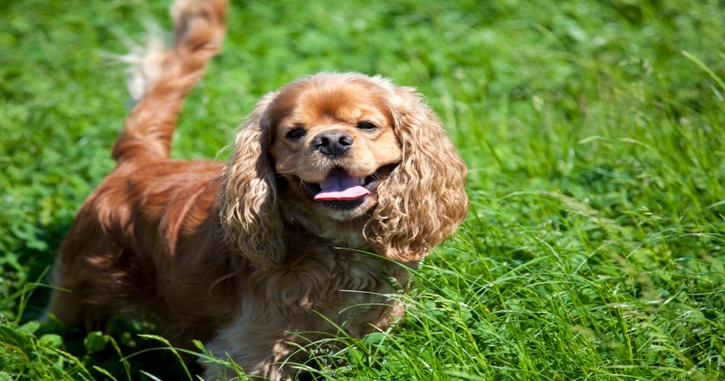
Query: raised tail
x=163, y=77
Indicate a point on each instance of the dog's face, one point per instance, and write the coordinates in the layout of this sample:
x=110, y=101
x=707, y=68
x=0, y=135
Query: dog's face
x=346, y=157
x=334, y=143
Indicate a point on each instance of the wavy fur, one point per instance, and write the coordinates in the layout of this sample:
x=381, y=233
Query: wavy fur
x=424, y=200
x=248, y=199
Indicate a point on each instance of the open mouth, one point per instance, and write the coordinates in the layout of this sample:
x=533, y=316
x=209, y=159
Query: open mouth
x=342, y=191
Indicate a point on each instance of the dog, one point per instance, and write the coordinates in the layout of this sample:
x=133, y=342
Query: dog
x=337, y=185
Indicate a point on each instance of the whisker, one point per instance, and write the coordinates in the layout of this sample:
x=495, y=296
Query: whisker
x=290, y=171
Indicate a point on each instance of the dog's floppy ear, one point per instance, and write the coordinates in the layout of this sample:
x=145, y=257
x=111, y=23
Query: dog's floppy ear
x=423, y=201
x=249, y=210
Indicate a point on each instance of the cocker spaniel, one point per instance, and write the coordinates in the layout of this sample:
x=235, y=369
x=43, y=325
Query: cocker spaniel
x=337, y=184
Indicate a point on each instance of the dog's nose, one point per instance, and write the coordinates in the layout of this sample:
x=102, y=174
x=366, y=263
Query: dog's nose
x=332, y=143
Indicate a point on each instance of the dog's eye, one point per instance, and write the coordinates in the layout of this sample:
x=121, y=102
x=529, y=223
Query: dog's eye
x=296, y=133
x=366, y=126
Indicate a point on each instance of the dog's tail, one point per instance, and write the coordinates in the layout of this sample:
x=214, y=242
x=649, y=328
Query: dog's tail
x=163, y=77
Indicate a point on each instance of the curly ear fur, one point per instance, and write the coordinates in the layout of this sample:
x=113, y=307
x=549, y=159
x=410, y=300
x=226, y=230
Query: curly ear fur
x=423, y=201
x=249, y=212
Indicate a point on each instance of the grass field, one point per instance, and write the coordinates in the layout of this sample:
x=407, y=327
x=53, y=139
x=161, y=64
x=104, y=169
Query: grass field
x=594, y=132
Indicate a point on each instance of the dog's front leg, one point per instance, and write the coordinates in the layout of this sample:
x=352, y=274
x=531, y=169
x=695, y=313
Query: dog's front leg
x=259, y=346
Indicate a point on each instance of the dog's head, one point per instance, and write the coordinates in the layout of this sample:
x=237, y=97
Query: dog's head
x=343, y=150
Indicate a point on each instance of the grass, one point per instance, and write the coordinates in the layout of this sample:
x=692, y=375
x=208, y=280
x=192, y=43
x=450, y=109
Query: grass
x=594, y=135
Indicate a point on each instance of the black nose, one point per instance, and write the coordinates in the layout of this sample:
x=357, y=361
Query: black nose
x=332, y=143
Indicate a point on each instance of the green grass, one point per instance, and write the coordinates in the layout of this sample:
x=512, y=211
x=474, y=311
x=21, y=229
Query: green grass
x=594, y=132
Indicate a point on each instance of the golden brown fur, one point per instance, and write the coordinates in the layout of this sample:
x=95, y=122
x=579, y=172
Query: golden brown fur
x=239, y=254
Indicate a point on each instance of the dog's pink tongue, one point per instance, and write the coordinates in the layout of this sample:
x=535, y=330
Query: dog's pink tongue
x=340, y=187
